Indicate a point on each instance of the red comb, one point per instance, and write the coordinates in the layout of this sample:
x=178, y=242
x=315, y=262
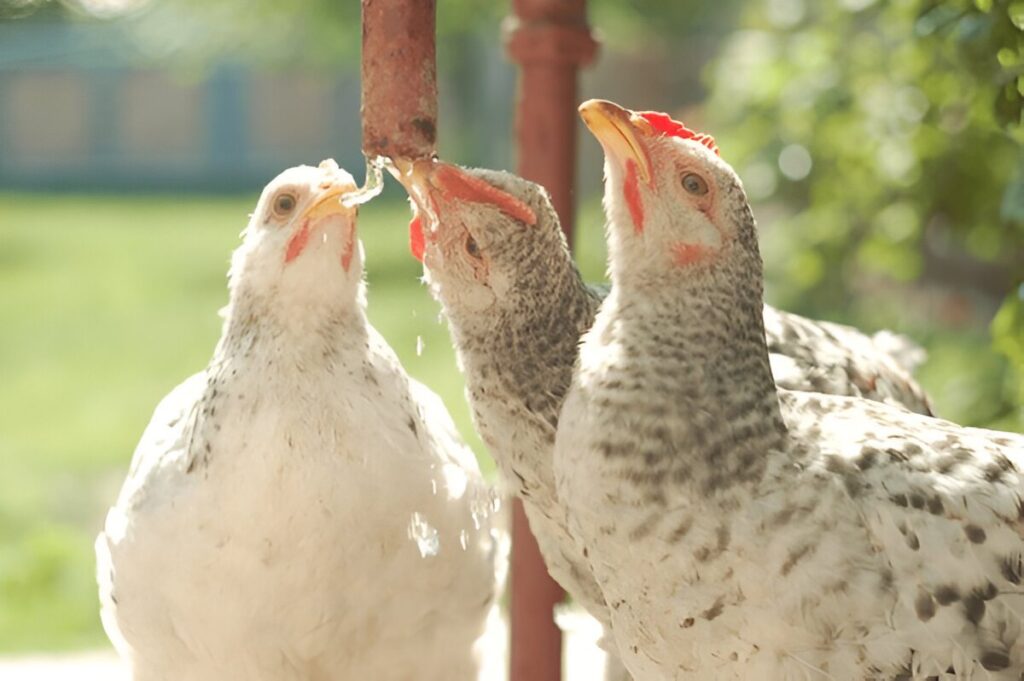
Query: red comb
x=417, y=242
x=457, y=184
x=664, y=124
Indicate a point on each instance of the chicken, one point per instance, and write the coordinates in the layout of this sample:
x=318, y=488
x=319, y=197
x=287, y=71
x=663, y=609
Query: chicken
x=302, y=509
x=496, y=259
x=742, y=531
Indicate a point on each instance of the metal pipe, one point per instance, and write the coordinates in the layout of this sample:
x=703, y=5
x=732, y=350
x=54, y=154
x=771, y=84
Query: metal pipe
x=550, y=40
x=399, y=79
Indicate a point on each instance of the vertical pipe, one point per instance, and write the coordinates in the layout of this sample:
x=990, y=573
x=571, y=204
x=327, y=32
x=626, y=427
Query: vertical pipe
x=399, y=79
x=550, y=40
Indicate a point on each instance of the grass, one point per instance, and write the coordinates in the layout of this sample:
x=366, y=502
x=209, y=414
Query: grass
x=106, y=303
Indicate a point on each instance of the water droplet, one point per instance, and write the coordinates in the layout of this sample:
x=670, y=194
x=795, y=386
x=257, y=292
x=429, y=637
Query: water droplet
x=419, y=346
x=482, y=506
x=433, y=487
x=464, y=539
x=373, y=185
x=427, y=539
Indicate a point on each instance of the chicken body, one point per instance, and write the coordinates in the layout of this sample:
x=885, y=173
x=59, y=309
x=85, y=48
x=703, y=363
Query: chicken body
x=302, y=509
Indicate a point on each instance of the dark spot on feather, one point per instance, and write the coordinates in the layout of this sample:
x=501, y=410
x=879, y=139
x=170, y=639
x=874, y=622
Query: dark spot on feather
x=974, y=608
x=839, y=586
x=924, y=605
x=1012, y=568
x=947, y=594
x=917, y=501
x=412, y=426
x=911, y=449
x=987, y=592
x=995, y=661
x=935, y=505
x=975, y=534
x=913, y=542
x=853, y=485
x=714, y=611
x=868, y=457
x=837, y=464
x=681, y=530
x=687, y=623
x=899, y=499
x=795, y=557
x=645, y=528
x=896, y=454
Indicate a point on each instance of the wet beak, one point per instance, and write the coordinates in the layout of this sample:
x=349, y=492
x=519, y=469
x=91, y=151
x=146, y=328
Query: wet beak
x=619, y=132
x=415, y=177
x=329, y=203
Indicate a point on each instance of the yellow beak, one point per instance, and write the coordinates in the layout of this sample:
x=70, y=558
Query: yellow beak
x=615, y=129
x=415, y=177
x=329, y=202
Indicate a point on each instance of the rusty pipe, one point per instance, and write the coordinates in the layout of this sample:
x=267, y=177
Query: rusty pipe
x=549, y=40
x=399, y=79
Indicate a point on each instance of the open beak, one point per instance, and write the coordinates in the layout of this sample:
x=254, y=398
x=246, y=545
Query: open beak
x=415, y=177
x=618, y=131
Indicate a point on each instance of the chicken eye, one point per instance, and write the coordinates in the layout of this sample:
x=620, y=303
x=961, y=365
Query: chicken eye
x=473, y=248
x=284, y=204
x=695, y=184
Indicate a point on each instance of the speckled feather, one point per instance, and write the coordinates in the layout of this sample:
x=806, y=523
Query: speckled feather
x=738, y=531
x=518, y=346
x=302, y=509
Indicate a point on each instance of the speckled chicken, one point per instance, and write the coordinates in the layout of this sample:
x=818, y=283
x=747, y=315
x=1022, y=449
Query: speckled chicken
x=302, y=509
x=516, y=306
x=741, y=531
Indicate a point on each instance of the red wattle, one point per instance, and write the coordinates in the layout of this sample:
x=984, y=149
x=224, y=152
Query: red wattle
x=631, y=192
x=297, y=243
x=417, y=242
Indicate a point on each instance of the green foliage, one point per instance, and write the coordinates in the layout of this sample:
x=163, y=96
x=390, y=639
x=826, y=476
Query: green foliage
x=884, y=139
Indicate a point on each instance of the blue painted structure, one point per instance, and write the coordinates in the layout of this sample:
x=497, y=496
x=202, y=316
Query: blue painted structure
x=100, y=60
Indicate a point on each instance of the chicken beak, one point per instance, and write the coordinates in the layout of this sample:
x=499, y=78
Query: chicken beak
x=329, y=203
x=617, y=132
x=415, y=177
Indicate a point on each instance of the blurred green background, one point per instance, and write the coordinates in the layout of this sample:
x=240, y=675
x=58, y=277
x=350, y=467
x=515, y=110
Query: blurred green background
x=879, y=140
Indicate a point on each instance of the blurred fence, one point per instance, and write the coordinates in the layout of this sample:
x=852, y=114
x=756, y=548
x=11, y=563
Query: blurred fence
x=82, y=108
